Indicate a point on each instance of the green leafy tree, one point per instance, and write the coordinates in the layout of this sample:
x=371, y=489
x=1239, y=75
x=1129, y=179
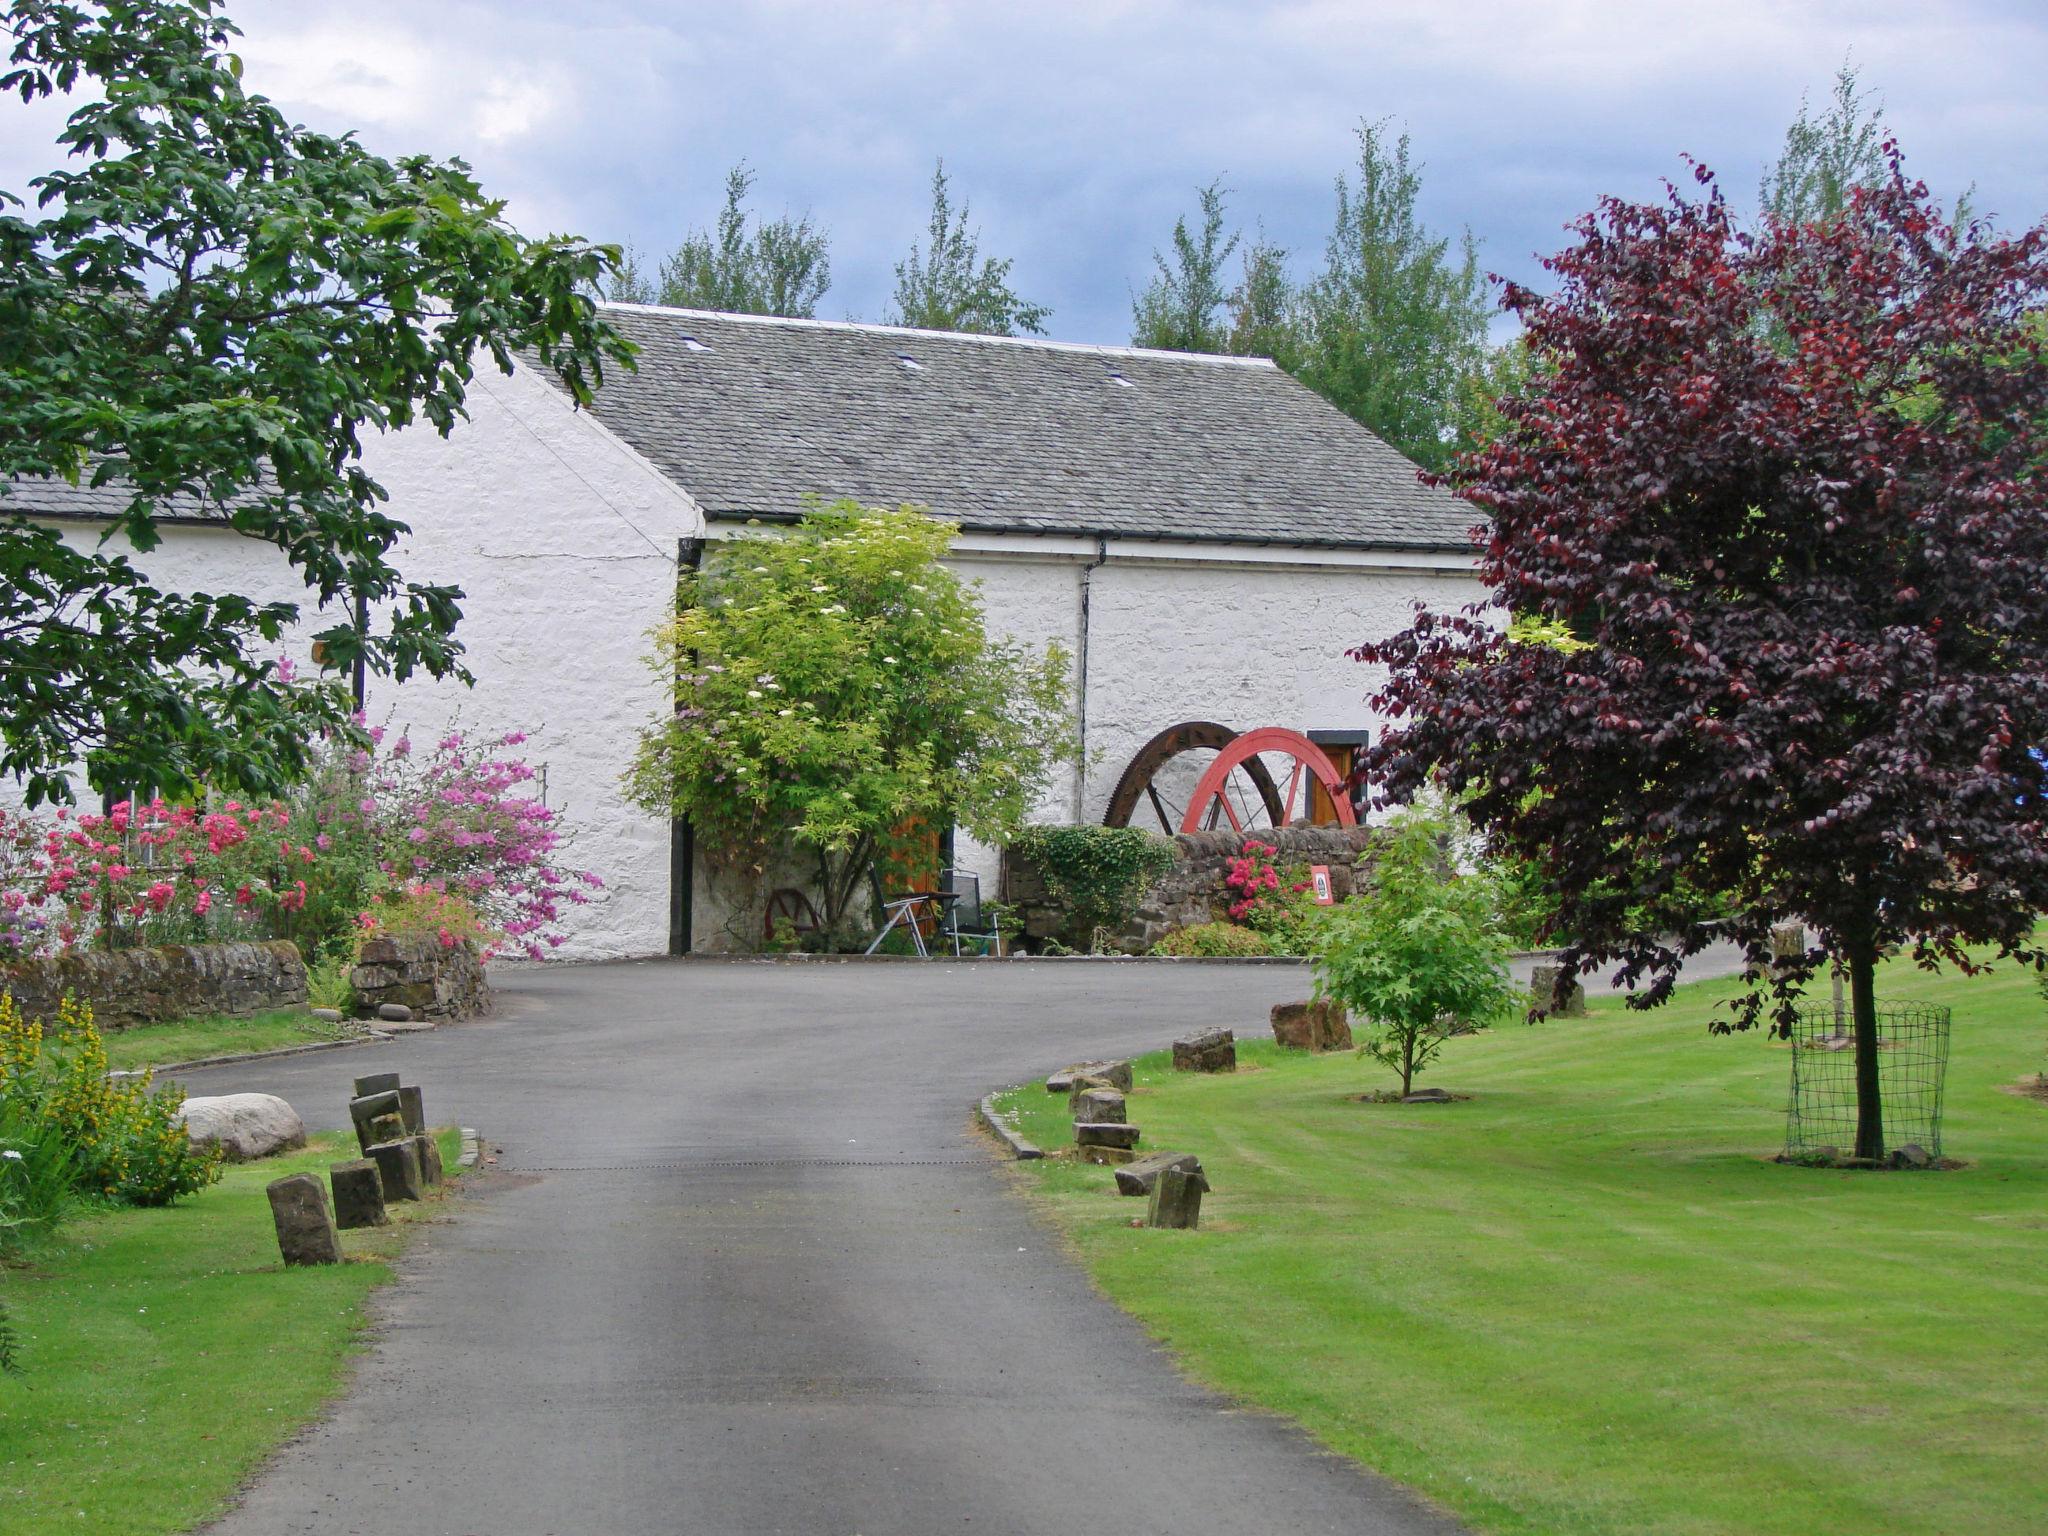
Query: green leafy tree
x=779, y=267
x=1421, y=948
x=835, y=682
x=1183, y=308
x=201, y=312
x=1501, y=373
x=1827, y=157
x=1398, y=316
x=1265, y=308
x=948, y=285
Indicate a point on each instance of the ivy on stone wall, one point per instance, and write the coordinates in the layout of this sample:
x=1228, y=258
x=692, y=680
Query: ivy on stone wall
x=1097, y=874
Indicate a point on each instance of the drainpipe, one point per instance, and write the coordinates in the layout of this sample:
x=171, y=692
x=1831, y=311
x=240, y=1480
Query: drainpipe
x=1081, y=679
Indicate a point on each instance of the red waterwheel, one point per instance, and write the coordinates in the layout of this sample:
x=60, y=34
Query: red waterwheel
x=1239, y=786
x=790, y=905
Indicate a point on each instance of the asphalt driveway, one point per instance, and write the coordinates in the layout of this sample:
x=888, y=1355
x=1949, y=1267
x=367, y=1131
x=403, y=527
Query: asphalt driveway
x=746, y=1268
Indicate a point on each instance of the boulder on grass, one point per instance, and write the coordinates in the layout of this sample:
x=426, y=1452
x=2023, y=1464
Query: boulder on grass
x=398, y=1165
x=1312, y=1026
x=1099, y=1106
x=1543, y=982
x=358, y=1194
x=1176, y=1200
x=1139, y=1177
x=1214, y=1050
x=245, y=1126
x=1116, y=1073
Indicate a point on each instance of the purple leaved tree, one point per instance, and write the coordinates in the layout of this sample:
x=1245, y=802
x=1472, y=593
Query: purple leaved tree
x=1775, y=505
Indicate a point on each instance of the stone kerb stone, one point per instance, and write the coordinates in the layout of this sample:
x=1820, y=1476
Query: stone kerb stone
x=431, y=980
x=398, y=1165
x=358, y=1194
x=305, y=1226
x=1312, y=1026
x=1213, y=1050
x=149, y=986
x=245, y=1126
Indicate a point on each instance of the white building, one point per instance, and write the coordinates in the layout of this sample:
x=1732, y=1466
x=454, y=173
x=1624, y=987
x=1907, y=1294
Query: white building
x=1206, y=536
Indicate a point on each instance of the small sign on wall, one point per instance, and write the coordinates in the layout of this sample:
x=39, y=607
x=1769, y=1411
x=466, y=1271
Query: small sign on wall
x=1319, y=882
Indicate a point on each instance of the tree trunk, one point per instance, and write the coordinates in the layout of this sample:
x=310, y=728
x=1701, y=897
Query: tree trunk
x=1862, y=957
x=1407, y=1064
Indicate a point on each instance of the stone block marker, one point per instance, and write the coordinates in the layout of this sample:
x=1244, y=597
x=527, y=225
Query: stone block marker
x=398, y=1164
x=1085, y=1083
x=430, y=1160
x=376, y=1082
x=412, y=1110
x=358, y=1194
x=1214, y=1050
x=1105, y=1135
x=1099, y=1106
x=1543, y=981
x=305, y=1226
x=1109, y=1157
x=1139, y=1177
x=1176, y=1200
x=1116, y=1073
x=377, y=1117
x=1312, y=1026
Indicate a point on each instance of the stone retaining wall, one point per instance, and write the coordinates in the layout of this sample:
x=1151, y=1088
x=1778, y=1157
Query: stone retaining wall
x=1193, y=890
x=434, y=980
x=148, y=986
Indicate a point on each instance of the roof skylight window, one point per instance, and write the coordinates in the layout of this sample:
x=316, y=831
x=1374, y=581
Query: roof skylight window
x=1120, y=381
x=692, y=344
x=909, y=363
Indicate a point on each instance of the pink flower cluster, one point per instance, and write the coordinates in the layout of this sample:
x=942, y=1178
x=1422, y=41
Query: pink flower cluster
x=1252, y=875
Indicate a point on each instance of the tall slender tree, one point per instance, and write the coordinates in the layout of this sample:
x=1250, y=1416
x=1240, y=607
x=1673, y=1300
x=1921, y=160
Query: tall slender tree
x=1184, y=306
x=948, y=285
x=1398, y=315
x=1826, y=157
x=1265, y=307
x=775, y=267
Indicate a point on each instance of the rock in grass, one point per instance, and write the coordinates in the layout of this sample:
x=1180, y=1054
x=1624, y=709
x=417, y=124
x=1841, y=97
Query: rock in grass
x=1427, y=1096
x=398, y=1164
x=327, y=1015
x=1099, y=1106
x=305, y=1227
x=358, y=1194
x=1139, y=1177
x=394, y=1013
x=1911, y=1155
x=1214, y=1050
x=1105, y=1135
x=1311, y=1026
x=1543, y=980
x=245, y=1126
x=1176, y=1200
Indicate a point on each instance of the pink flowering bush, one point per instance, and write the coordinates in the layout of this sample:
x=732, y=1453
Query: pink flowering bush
x=1252, y=876
x=369, y=833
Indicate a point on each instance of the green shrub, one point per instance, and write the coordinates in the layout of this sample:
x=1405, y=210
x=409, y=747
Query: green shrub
x=37, y=1175
x=123, y=1138
x=1419, y=950
x=328, y=986
x=1289, y=919
x=1214, y=941
x=1095, y=874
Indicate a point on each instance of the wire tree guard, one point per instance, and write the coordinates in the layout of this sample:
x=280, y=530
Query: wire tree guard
x=1238, y=787
x=1912, y=1063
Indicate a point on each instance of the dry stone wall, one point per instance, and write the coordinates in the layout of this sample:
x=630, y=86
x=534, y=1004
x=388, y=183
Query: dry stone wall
x=433, y=980
x=147, y=986
x=1192, y=891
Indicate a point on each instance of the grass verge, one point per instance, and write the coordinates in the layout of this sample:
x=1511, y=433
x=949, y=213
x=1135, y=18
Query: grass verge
x=194, y=1039
x=1582, y=1301
x=166, y=1353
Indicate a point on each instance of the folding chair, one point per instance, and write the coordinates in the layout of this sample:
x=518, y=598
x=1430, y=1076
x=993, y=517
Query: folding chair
x=967, y=921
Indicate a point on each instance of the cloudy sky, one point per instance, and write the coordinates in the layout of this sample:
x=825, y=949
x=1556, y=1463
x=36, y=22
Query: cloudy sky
x=1079, y=128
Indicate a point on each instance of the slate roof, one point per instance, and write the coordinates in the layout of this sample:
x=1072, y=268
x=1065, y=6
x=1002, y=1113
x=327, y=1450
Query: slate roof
x=747, y=414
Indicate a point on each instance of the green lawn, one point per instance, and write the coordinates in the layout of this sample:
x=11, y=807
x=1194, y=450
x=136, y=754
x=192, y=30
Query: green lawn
x=1583, y=1301
x=194, y=1039
x=166, y=1353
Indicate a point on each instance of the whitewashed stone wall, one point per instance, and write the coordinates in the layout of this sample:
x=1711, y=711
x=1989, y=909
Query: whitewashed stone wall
x=565, y=542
